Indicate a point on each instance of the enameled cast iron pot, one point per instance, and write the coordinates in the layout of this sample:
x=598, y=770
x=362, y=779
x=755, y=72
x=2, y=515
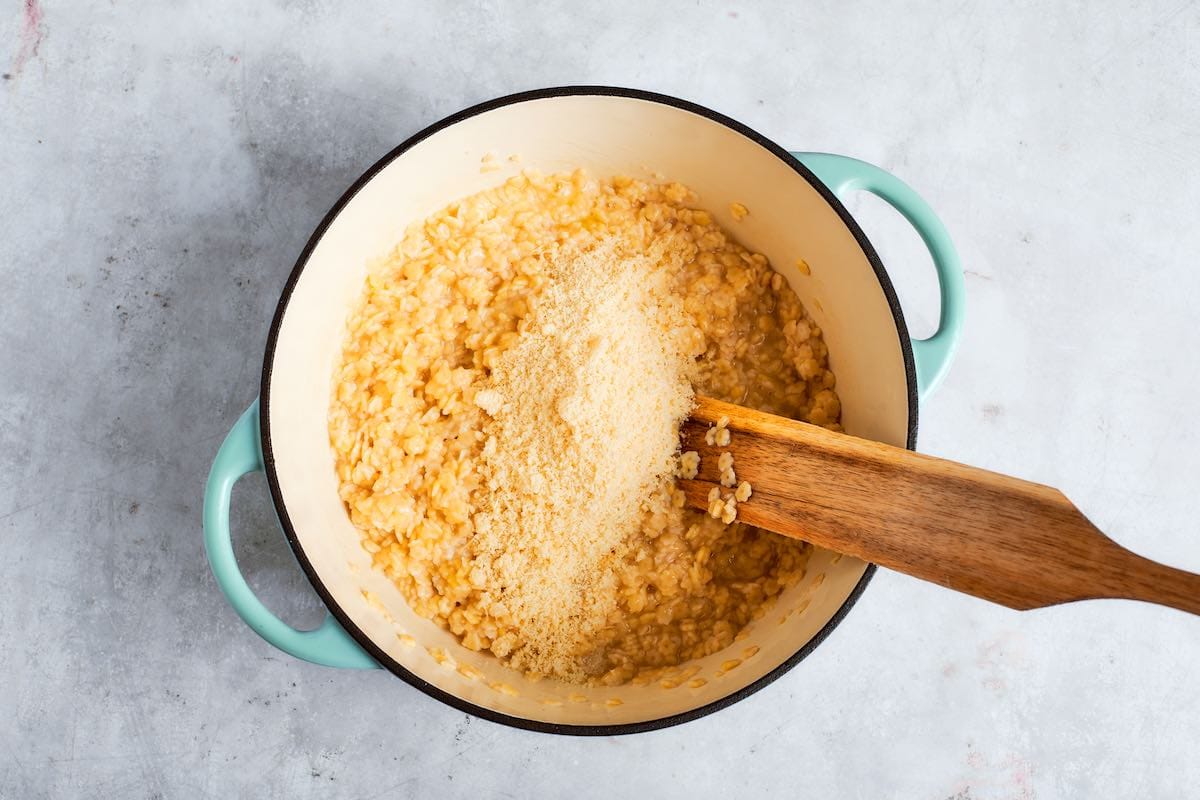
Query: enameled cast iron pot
x=795, y=213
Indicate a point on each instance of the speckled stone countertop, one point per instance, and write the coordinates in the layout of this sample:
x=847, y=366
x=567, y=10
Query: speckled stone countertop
x=161, y=168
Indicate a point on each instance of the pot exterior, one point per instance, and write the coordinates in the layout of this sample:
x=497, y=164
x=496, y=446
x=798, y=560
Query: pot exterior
x=796, y=215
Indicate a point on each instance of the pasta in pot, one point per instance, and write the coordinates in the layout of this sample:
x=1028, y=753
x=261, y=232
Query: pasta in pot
x=410, y=404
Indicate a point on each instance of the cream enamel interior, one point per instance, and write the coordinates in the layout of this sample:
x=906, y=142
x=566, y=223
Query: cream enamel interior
x=607, y=135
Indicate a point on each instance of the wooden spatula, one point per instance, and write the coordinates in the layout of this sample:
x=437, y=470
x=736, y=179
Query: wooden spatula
x=1010, y=541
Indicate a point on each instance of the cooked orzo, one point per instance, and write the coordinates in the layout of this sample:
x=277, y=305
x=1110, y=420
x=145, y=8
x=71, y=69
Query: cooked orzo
x=480, y=454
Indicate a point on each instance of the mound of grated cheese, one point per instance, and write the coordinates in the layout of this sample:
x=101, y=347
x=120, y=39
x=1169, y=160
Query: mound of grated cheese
x=582, y=429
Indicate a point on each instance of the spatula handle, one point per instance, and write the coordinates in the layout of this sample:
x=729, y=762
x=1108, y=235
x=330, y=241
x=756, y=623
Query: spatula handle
x=1147, y=580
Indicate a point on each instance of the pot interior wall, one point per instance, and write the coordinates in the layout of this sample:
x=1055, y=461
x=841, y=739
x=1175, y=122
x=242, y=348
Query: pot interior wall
x=607, y=135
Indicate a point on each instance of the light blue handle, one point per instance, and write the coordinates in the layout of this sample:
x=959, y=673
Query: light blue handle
x=844, y=175
x=327, y=644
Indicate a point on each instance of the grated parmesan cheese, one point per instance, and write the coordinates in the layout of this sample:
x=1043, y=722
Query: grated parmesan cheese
x=584, y=422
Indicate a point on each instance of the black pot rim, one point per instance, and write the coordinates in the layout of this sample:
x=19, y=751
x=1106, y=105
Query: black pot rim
x=269, y=459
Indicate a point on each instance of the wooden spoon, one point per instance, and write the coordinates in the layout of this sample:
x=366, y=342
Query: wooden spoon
x=1010, y=541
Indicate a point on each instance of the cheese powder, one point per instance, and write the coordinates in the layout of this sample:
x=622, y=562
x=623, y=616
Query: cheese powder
x=584, y=422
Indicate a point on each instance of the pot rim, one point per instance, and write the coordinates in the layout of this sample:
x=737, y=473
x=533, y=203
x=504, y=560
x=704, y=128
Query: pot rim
x=310, y=572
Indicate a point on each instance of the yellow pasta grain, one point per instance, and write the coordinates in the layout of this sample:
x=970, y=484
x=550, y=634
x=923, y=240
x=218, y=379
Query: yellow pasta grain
x=412, y=397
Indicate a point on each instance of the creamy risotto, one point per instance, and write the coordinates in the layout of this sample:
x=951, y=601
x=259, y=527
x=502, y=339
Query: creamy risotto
x=497, y=495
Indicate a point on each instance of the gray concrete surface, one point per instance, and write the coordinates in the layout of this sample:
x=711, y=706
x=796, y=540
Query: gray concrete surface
x=160, y=169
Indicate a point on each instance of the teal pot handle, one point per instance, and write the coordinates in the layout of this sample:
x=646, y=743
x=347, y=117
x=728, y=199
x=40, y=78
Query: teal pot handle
x=845, y=175
x=326, y=644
